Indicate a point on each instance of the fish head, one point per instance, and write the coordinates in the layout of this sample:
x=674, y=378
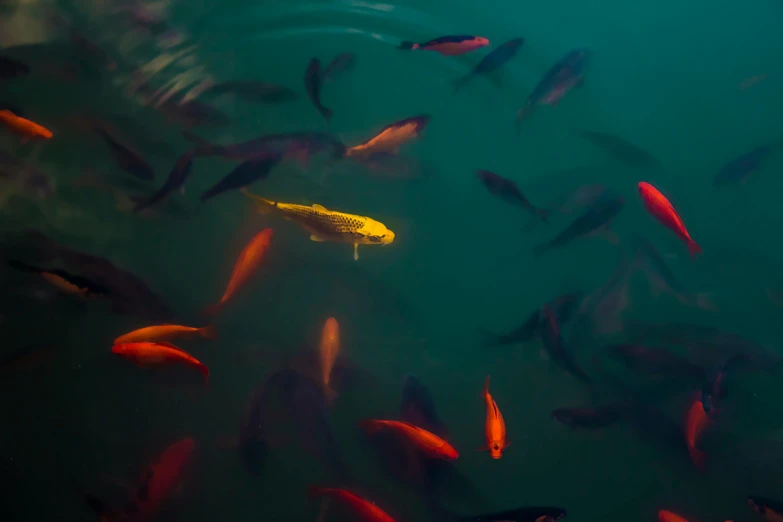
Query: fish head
x=481, y=41
x=449, y=453
x=376, y=233
x=495, y=450
x=120, y=349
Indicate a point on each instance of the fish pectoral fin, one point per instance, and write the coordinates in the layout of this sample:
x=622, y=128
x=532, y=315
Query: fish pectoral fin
x=317, y=239
x=316, y=206
x=356, y=251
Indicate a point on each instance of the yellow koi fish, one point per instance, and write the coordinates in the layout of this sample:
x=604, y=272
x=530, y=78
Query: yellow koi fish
x=329, y=225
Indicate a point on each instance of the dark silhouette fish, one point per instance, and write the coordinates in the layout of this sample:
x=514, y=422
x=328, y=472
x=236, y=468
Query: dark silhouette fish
x=648, y=360
x=259, y=148
x=244, y=175
x=177, y=177
x=126, y=159
x=491, y=62
x=598, y=216
x=740, y=169
x=591, y=418
x=555, y=345
x=522, y=514
x=620, y=148
x=79, y=283
x=340, y=64
x=557, y=82
x=508, y=191
x=418, y=407
x=565, y=306
x=10, y=68
x=662, y=278
x=313, y=83
x=254, y=91
x=253, y=445
x=713, y=390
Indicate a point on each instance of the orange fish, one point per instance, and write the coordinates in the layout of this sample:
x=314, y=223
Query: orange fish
x=246, y=265
x=363, y=509
x=696, y=421
x=329, y=349
x=24, y=127
x=157, y=484
x=153, y=354
x=668, y=516
x=495, y=426
x=428, y=443
x=165, y=332
x=657, y=205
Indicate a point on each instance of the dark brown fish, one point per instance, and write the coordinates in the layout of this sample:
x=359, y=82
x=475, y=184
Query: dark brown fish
x=177, y=177
x=244, y=175
x=340, y=64
x=312, y=82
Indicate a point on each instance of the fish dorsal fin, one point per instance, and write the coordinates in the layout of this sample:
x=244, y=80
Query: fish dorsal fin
x=316, y=206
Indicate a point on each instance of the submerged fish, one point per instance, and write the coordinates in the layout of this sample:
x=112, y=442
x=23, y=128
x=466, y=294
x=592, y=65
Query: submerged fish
x=390, y=138
x=177, y=177
x=620, y=148
x=522, y=514
x=554, y=344
x=245, y=267
x=696, y=422
x=662, y=278
x=740, y=169
x=255, y=91
x=557, y=82
x=23, y=127
x=493, y=61
x=660, y=208
x=565, y=307
x=328, y=350
x=244, y=175
x=508, y=191
x=714, y=388
x=418, y=407
x=312, y=83
x=340, y=64
x=668, y=516
x=154, y=354
x=259, y=148
x=364, y=510
x=125, y=158
x=330, y=225
x=448, y=45
x=165, y=332
x=63, y=280
x=494, y=425
x=426, y=442
x=596, y=217
x=771, y=510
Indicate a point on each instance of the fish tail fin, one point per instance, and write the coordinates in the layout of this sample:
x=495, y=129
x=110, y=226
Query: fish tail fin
x=264, y=205
x=209, y=332
x=486, y=387
x=204, y=371
x=23, y=267
x=317, y=491
x=407, y=46
x=213, y=310
x=459, y=83
x=522, y=114
x=699, y=458
x=693, y=248
x=328, y=113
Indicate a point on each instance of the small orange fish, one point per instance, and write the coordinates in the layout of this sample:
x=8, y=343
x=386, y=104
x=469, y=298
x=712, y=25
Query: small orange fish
x=24, y=127
x=153, y=354
x=364, y=510
x=657, y=205
x=246, y=265
x=495, y=426
x=328, y=350
x=696, y=421
x=428, y=443
x=165, y=332
x=668, y=516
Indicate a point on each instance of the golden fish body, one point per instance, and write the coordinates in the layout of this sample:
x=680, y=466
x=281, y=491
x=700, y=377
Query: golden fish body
x=330, y=225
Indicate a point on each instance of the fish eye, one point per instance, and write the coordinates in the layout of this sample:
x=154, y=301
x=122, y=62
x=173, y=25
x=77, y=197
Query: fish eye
x=497, y=447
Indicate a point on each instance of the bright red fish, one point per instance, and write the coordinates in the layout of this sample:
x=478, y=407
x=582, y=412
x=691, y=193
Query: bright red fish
x=494, y=426
x=248, y=262
x=154, y=354
x=657, y=205
x=668, y=516
x=24, y=127
x=449, y=45
x=696, y=421
x=426, y=442
x=363, y=509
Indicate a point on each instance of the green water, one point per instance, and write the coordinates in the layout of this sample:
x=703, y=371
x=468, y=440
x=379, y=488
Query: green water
x=663, y=75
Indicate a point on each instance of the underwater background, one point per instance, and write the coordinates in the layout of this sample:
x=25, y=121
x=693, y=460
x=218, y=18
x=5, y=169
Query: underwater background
x=694, y=84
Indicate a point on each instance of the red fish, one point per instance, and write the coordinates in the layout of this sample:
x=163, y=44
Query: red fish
x=495, y=426
x=154, y=354
x=696, y=421
x=426, y=442
x=449, y=45
x=657, y=205
x=363, y=509
x=157, y=484
x=668, y=516
x=24, y=127
x=246, y=265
